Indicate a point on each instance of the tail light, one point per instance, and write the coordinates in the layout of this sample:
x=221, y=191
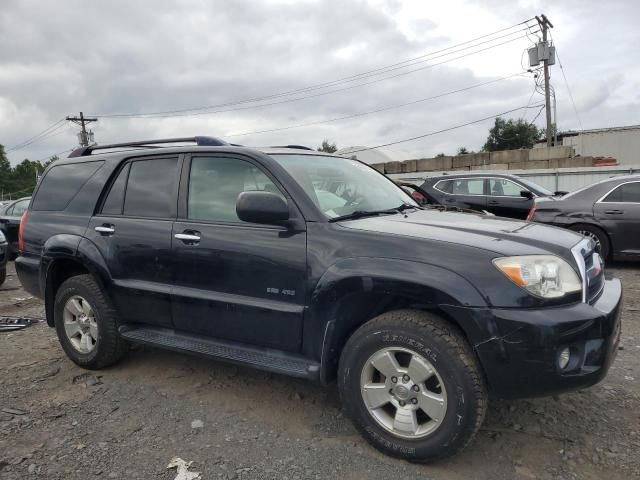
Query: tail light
x=531, y=214
x=23, y=220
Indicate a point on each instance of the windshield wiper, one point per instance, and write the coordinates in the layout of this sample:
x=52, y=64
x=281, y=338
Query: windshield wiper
x=371, y=213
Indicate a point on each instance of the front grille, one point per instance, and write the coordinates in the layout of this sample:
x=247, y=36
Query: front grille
x=594, y=272
x=591, y=269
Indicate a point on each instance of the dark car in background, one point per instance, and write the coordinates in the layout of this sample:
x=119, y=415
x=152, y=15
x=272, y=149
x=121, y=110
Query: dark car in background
x=10, y=216
x=503, y=195
x=608, y=212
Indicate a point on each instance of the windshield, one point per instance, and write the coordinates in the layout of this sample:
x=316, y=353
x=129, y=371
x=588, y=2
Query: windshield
x=340, y=186
x=535, y=188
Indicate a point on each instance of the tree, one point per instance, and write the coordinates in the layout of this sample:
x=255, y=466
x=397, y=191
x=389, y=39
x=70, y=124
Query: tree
x=440, y=155
x=19, y=181
x=327, y=147
x=463, y=151
x=510, y=135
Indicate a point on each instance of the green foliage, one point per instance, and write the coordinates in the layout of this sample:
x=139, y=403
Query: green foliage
x=440, y=155
x=19, y=181
x=327, y=147
x=511, y=135
x=463, y=151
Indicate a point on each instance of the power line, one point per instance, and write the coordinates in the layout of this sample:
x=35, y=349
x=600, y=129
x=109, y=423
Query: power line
x=391, y=107
x=36, y=137
x=288, y=100
x=442, y=131
x=575, y=110
x=352, y=78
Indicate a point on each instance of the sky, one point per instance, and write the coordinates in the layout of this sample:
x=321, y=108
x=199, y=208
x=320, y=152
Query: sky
x=135, y=57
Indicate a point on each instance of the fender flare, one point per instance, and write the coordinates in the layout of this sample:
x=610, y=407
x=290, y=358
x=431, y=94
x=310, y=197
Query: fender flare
x=422, y=284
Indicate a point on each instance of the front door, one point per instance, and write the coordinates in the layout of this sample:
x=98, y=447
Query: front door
x=505, y=200
x=619, y=214
x=236, y=281
x=132, y=231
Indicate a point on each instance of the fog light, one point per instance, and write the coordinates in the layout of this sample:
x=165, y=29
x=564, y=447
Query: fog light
x=563, y=358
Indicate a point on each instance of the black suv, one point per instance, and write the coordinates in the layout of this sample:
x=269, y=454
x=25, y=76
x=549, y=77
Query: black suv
x=498, y=193
x=316, y=266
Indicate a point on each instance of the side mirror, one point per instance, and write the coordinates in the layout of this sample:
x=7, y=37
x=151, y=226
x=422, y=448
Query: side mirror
x=526, y=194
x=262, y=207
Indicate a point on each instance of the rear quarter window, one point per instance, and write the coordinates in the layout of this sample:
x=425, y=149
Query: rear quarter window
x=61, y=184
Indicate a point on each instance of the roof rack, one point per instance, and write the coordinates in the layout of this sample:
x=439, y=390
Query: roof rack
x=299, y=147
x=200, y=141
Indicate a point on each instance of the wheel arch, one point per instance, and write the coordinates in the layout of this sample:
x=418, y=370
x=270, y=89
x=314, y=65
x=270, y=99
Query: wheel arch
x=346, y=298
x=64, y=258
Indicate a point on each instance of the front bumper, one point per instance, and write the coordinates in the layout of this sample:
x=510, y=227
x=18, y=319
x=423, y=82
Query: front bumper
x=521, y=358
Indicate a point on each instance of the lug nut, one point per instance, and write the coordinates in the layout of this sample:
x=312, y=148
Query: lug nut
x=405, y=378
x=394, y=379
x=414, y=400
x=402, y=403
x=416, y=388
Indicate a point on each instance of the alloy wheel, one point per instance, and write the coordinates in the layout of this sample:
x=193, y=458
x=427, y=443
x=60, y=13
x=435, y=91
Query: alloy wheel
x=403, y=392
x=80, y=324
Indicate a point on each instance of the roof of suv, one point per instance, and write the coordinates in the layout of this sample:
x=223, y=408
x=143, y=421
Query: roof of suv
x=168, y=146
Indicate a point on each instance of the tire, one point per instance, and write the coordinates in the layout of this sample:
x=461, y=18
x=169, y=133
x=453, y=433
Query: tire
x=3, y=275
x=76, y=297
x=603, y=245
x=422, y=336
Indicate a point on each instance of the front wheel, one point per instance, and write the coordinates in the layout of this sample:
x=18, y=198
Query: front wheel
x=410, y=383
x=3, y=275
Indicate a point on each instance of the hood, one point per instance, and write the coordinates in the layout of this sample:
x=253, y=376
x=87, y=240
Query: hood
x=501, y=235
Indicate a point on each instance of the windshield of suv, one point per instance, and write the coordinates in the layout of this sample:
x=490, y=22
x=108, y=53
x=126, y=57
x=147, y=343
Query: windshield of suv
x=341, y=186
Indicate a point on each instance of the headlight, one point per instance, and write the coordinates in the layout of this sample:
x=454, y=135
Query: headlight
x=545, y=276
x=2, y=239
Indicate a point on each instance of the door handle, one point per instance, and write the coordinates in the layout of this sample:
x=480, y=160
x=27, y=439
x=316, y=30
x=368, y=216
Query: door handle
x=105, y=229
x=614, y=212
x=192, y=237
x=494, y=202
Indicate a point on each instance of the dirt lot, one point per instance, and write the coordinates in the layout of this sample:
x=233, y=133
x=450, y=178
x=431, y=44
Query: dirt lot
x=130, y=420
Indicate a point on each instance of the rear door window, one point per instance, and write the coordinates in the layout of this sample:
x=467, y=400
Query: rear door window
x=151, y=188
x=61, y=184
x=20, y=207
x=627, y=193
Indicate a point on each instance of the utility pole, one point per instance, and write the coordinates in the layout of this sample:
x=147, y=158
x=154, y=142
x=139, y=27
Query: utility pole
x=544, y=26
x=85, y=136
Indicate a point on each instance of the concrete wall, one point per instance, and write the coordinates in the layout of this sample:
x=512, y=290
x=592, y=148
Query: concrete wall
x=553, y=157
x=623, y=145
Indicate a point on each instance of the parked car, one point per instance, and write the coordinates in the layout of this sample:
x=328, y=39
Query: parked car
x=501, y=194
x=3, y=258
x=239, y=254
x=608, y=212
x=10, y=220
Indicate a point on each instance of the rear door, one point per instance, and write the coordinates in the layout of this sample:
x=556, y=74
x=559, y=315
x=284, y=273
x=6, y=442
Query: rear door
x=132, y=231
x=237, y=281
x=463, y=192
x=619, y=214
x=505, y=200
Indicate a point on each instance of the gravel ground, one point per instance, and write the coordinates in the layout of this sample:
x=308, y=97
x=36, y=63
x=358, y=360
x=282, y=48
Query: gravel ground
x=58, y=421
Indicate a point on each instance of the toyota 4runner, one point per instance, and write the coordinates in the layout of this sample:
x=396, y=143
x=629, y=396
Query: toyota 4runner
x=316, y=266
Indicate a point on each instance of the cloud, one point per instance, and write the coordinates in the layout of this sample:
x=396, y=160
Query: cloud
x=59, y=58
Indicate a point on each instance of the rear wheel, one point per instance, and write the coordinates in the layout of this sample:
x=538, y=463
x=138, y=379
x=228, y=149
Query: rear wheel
x=599, y=237
x=411, y=385
x=3, y=275
x=86, y=324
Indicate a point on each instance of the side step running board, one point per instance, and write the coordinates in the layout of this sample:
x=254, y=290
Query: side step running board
x=261, y=358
